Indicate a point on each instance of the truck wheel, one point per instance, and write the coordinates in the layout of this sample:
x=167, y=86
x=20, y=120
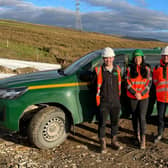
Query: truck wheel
x=48, y=128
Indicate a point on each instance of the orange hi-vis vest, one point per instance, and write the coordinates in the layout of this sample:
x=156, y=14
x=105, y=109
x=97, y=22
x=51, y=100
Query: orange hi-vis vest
x=160, y=80
x=100, y=81
x=138, y=84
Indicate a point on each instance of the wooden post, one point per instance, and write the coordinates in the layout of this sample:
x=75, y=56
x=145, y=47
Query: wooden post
x=7, y=43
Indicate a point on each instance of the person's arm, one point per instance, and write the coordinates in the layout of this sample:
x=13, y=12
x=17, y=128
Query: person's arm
x=119, y=79
x=130, y=87
x=89, y=76
x=155, y=76
x=148, y=83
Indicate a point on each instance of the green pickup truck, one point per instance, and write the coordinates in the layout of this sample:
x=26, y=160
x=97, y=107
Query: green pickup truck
x=45, y=104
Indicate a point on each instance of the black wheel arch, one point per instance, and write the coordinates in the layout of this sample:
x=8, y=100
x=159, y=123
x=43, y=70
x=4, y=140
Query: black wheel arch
x=28, y=114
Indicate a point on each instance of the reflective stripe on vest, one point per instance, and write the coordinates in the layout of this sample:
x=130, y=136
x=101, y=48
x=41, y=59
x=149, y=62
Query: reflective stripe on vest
x=162, y=83
x=162, y=90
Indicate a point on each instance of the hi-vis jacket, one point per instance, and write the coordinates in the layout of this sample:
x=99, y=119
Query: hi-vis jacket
x=99, y=74
x=160, y=79
x=138, y=84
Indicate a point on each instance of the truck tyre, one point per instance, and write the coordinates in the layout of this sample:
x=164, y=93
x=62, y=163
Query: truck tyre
x=48, y=128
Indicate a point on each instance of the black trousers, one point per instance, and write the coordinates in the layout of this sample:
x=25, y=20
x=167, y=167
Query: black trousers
x=161, y=108
x=114, y=112
x=139, y=111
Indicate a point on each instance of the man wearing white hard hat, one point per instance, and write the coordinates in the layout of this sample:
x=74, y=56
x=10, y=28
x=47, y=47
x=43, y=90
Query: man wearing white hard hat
x=108, y=97
x=160, y=79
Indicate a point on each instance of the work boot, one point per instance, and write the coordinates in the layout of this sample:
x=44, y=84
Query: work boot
x=138, y=138
x=143, y=142
x=103, y=145
x=158, y=138
x=115, y=143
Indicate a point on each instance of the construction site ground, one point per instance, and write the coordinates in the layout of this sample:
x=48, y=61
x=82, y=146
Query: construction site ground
x=82, y=149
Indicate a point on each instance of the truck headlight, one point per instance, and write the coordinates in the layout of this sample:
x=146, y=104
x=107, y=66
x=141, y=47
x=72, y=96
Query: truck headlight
x=12, y=93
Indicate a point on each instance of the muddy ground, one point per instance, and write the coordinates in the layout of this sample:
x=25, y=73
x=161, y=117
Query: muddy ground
x=81, y=149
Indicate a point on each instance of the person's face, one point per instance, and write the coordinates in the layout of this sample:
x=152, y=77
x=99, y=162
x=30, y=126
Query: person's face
x=165, y=58
x=108, y=61
x=138, y=60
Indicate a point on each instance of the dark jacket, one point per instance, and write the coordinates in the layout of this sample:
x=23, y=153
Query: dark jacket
x=109, y=92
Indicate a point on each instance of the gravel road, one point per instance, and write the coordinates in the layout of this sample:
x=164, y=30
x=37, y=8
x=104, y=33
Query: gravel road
x=81, y=150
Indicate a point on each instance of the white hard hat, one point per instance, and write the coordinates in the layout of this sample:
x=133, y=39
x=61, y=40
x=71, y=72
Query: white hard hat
x=108, y=52
x=165, y=51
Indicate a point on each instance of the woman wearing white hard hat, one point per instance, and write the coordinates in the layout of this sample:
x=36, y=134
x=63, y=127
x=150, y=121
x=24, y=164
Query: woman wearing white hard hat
x=160, y=79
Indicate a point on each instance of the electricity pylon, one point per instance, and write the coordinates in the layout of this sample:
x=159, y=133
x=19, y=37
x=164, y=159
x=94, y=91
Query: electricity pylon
x=78, y=25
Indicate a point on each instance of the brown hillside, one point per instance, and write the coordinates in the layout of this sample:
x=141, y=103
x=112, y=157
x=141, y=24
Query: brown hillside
x=54, y=44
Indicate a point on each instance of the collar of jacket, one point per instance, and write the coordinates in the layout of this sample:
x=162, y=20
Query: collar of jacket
x=114, y=68
x=162, y=63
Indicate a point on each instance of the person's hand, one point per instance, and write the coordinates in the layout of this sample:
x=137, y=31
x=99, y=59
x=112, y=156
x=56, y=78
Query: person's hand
x=138, y=96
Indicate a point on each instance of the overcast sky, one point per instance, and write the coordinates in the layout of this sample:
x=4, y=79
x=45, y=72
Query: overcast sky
x=138, y=18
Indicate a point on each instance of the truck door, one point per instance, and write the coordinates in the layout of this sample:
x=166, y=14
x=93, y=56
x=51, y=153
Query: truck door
x=86, y=96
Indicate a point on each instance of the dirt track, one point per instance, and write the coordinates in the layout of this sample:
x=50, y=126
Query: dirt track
x=81, y=149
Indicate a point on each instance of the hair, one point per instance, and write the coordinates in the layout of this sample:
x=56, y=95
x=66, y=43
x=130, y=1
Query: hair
x=133, y=68
x=164, y=68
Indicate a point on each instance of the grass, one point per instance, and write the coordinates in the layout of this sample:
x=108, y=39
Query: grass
x=25, y=41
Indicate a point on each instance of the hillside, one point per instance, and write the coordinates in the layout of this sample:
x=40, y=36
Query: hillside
x=25, y=41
